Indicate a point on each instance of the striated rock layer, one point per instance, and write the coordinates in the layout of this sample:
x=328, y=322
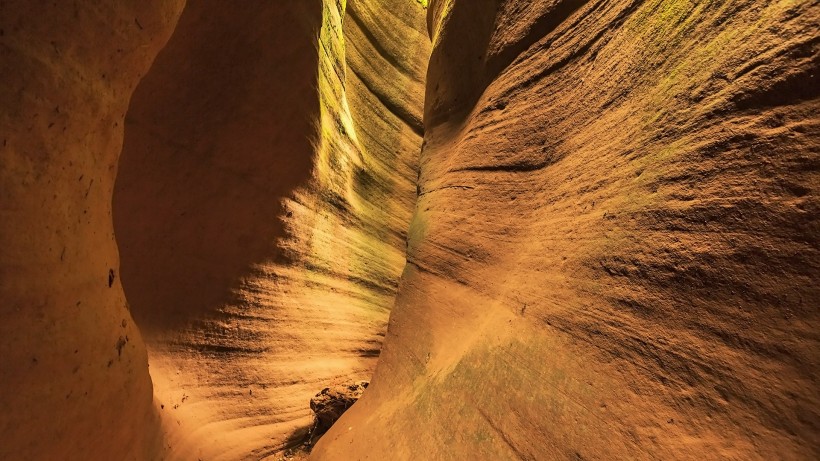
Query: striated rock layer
x=266, y=185
x=265, y=188
x=614, y=254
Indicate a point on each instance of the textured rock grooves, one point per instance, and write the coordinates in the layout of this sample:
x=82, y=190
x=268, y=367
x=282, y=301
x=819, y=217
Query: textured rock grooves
x=262, y=227
x=613, y=228
x=615, y=250
x=265, y=187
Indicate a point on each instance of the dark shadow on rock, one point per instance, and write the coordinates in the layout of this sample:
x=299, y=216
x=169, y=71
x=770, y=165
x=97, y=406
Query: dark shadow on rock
x=217, y=134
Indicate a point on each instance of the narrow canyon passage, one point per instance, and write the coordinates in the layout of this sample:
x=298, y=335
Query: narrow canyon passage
x=615, y=250
x=541, y=229
x=263, y=196
x=261, y=205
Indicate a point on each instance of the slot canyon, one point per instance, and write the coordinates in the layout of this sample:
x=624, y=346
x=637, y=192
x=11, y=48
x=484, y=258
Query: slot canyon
x=519, y=229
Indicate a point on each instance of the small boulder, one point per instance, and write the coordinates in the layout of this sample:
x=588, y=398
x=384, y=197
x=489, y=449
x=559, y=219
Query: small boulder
x=331, y=403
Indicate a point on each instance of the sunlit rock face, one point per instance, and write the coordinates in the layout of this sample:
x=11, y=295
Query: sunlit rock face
x=596, y=220
x=615, y=247
x=73, y=372
x=265, y=190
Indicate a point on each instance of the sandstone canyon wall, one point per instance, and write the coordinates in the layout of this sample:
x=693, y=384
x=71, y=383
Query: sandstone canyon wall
x=73, y=369
x=614, y=254
x=264, y=192
x=606, y=246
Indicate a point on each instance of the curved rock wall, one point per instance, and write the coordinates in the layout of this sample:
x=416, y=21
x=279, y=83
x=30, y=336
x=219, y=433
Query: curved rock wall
x=266, y=183
x=73, y=372
x=265, y=189
x=614, y=250
x=217, y=133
